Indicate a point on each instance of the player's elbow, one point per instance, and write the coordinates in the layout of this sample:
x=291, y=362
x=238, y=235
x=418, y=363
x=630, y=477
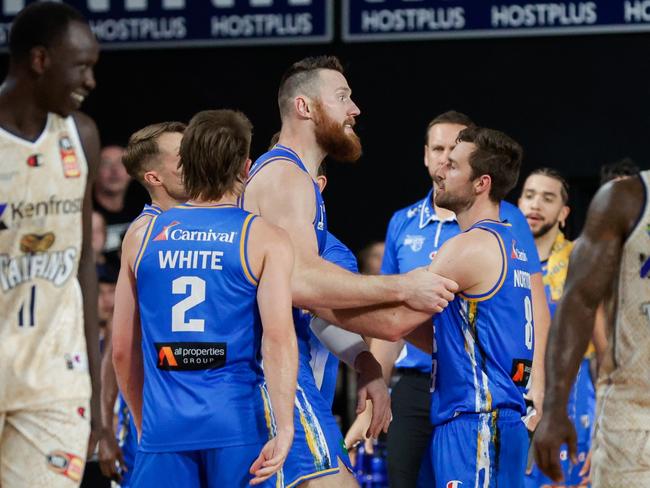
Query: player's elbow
x=120, y=355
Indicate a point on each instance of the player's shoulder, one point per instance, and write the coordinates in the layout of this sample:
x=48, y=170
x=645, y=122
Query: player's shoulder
x=85, y=125
x=619, y=204
x=269, y=235
x=472, y=246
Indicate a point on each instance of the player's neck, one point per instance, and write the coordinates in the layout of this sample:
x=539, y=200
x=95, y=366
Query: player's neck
x=302, y=141
x=164, y=202
x=19, y=111
x=480, y=210
x=544, y=243
x=227, y=199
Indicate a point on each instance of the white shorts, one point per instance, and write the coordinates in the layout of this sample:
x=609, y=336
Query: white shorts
x=621, y=458
x=44, y=446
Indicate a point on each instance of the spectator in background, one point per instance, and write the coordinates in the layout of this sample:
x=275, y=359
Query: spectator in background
x=109, y=198
x=618, y=169
x=370, y=258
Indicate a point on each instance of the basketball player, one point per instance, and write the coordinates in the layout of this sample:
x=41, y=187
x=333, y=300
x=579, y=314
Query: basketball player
x=204, y=415
x=317, y=120
x=414, y=236
x=151, y=158
x=48, y=285
x=544, y=202
x=481, y=359
x=609, y=262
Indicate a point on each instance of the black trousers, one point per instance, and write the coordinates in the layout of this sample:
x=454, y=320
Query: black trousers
x=410, y=431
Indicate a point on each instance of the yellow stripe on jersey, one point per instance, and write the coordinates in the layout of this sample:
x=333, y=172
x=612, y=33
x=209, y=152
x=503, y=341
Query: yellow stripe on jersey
x=143, y=246
x=242, y=251
x=271, y=427
x=313, y=475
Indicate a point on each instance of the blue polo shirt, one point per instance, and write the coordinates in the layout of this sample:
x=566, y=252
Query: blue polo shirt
x=415, y=234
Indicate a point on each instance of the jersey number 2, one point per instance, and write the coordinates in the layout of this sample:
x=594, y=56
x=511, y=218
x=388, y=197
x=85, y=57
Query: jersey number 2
x=197, y=295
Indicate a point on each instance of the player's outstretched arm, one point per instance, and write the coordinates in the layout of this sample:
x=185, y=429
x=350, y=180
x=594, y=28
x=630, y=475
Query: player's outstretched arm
x=271, y=254
x=87, y=274
x=316, y=282
x=462, y=260
x=592, y=268
x=127, y=353
x=109, y=451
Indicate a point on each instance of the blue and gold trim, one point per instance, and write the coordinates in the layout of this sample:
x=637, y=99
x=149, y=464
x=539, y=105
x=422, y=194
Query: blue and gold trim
x=504, y=268
x=272, y=428
x=143, y=245
x=243, y=253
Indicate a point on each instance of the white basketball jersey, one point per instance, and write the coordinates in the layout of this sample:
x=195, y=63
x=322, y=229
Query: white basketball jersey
x=42, y=343
x=624, y=393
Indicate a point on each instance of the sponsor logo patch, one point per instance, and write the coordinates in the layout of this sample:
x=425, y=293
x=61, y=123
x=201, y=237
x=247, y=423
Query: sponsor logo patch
x=75, y=361
x=31, y=243
x=518, y=253
x=66, y=464
x=68, y=158
x=13, y=213
x=414, y=242
x=169, y=233
x=520, y=372
x=190, y=356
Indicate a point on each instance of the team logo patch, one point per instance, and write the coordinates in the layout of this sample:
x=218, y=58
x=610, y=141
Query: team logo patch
x=164, y=235
x=190, y=356
x=68, y=158
x=518, y=253
x=520, y=372
x=32, y=243
x=35, y=160
x=66, y=464
x=414, y=242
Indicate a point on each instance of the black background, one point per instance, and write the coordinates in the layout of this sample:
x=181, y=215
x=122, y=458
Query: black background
x=573, y=102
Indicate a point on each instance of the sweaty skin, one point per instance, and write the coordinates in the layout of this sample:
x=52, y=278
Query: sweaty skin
x=593, y=268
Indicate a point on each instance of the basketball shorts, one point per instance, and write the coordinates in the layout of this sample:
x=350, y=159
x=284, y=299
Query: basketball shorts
x=44, y=446
x=487, y=450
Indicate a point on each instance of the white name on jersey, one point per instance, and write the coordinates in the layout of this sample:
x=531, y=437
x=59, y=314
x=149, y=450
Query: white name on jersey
x=522, y=279
x=54, y=266
x=190, y=259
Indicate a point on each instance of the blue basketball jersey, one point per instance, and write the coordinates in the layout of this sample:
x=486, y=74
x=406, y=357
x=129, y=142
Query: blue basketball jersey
x=323, y=363
x=415, y=234
x=283, y=153
x=201, y=331
x=483, y=344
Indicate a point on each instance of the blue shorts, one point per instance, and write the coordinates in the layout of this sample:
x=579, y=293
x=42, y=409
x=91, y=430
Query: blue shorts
x=205, y=468
x=318, y=442
x=478, y=450
x=127, y=439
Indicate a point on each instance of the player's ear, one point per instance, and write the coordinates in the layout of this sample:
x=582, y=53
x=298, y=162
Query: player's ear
x=482, y=184
x=247, y=168
x=39, y=59
x=322, y=182
x=564, y=213
x=151, y=178
x=301, y=104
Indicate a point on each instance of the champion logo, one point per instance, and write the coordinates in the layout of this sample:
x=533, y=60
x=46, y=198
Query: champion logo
x=164, y=235
x=35, y=160
x=454, y=484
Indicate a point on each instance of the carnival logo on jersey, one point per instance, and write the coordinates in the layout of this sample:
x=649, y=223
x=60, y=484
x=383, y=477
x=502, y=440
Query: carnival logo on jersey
x=35, y=160
x=178, y=234
x=190, y=356
x=414, y=242
x=454, y=484
x=66, y=464
x=517, y=253
x=68, y=158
